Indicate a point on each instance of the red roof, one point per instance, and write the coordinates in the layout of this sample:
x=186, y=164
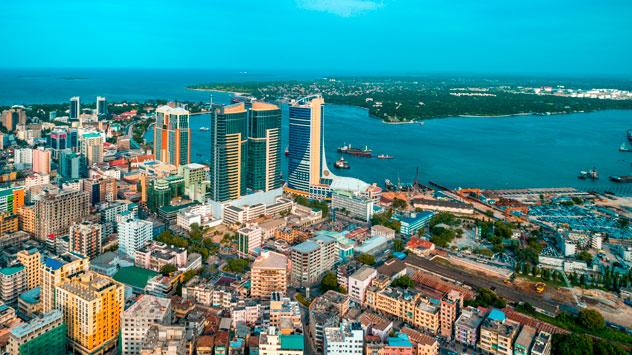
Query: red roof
x=416, y=242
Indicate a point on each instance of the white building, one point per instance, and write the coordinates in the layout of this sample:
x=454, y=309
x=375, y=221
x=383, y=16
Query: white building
x=133, y=234
x=273, y=343
x=346, y=339
x=381, y=231
x=23, y=157
x=136, y=320
x=249, y=239
x=353, y=205
x=359, y=281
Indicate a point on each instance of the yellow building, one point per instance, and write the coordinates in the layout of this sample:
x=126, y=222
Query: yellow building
x=497, y=333
x=32, y=261
x=408, y=305
x=92, y=304
x=26, y=218
x=8, y=223
x=269, y=274
x=57, y=270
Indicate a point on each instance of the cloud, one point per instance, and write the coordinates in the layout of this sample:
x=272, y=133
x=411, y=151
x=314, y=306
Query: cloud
x=343, y=8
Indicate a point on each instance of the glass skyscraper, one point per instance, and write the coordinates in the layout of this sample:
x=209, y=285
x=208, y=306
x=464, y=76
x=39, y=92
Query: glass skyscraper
x=172, y=135
x=75, y=107
x=264, y=147
x=102, y=106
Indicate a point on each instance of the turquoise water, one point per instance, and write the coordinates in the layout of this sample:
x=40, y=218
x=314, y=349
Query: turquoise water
x=507, y=152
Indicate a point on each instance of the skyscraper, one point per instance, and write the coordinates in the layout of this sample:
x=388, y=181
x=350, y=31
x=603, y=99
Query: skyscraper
x=102, y=106
x=57, y=270
x=306, y=163
x=85, y=238
x=172, y=135
x=229, y=139
x=41, y=160
x=13, y=117
x=75, y=107
x=92, y=147
x=264, y=147
x=133, y=235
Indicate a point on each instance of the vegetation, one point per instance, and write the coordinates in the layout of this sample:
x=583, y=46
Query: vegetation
x=441, y=236
x=385, y=219
x=319, y=205
x=446, y=218
x=302, y=300
x=329, y=282
x=196, y=243
x=403, y=282
x=584, y=256
x=238, y=266
x=167, y=269
x=486, y=298
x=399, y=204
x=366, y=259
x=398, y=245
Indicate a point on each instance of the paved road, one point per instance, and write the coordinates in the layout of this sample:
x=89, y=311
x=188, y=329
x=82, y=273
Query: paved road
x=508, y=292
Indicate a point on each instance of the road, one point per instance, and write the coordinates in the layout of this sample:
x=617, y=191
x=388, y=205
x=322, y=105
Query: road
x=477, y=282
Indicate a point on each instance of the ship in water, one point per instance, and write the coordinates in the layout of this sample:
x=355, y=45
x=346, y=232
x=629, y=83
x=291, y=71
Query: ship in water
x=621, y=179
x=385, y=156
x=591, y=174
x=287, y=151
x=341, y=164
x=624, y=148
x=347, y=149
x=204, y=129
x=630, y=135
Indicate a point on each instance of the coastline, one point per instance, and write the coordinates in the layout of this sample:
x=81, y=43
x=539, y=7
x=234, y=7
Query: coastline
x=236, y=93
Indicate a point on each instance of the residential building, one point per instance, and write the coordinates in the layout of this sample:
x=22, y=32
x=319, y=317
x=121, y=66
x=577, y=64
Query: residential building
x=41, y=160
x=359, y=281
x=306, y=159
x=41, y=335
x=312, y=259
x=269, y=274
x=13, y=117
x=32, y=261
x=381, y=231
x=408, y=305
x=542, y=344
x=424, y=344
x=172, y=135
x=451, y=304
x=164, y=340
x=348, y=338
x=9, y=223
x=229, y=154
x=522, y=344
x=11, y=199
x=92, y=306
x=56, y=271
x=56, y=212
x=137, y=319
x=467, y=325
x=154, y=255
x=326, y=311
x=375, y=325
x=208, y=294
x=12, y=283
x=249, y=241
x=264, y=147
x=134, y=234
x=194, y=176
x=497, y=333
x=92, y=147
x=85, y=238
x=285, y=314
x=272, y=343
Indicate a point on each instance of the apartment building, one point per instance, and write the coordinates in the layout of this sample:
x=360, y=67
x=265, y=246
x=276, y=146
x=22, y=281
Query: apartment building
x=137, y=319
x=312, y=259
x=269, y=274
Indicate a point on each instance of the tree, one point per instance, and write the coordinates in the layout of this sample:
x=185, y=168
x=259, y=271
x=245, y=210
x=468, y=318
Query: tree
x=366, y=259
x=403, y=282
x=168, y=269
x=237, y=265
x=567, y=344
x=591, y=319
x=487, y=298
x=398, y=245
x=329, y=282
x=584, y=256
x=399, y=204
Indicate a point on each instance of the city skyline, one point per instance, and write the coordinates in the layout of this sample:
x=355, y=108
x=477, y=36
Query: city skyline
x=357, y=36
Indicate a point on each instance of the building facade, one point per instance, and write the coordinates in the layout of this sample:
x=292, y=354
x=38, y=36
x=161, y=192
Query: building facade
x=269, y=274
x=312, y=259
x=32, y=261
x=172, y=135
x=136, y=320
x=133, y=235
x=85, y=238
x=41, y=335
x=264, y=147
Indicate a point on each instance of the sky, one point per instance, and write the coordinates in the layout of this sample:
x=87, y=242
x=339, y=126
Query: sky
x=365, y=36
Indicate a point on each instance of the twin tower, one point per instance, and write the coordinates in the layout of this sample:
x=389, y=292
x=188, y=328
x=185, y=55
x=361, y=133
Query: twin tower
x=245, y=146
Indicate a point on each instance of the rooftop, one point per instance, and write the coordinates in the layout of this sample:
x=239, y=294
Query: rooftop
x=292, y=342
x=147, y=306
x=270, y=260
x=134, y=276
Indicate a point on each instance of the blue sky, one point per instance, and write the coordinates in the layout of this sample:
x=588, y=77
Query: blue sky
x=375, y=36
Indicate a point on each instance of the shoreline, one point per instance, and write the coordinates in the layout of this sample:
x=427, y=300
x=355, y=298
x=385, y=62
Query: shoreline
x=236, y=93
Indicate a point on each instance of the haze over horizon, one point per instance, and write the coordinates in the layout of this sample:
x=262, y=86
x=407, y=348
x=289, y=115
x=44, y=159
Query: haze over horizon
x=336, y=36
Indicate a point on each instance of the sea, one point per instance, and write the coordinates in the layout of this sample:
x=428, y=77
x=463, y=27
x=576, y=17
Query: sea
x=485, y=152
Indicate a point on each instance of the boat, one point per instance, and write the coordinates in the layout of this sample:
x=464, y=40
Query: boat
x=421, y=123
x=341, y=164
x=621, y=179
x=347, y=149
x=204, y=129
x=630, y=135
x=592, y=174
x=287, y=151
x=624, y=148
x=385, y=156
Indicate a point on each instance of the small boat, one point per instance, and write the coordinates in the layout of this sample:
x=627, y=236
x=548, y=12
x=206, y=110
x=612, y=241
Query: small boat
x=629, y=133
x=421, y=123
x=385, y=156
x=592, y=174
x=624, y=148
x=287, y=151
x=204, y=129
x=621, y=179
x=341, y=164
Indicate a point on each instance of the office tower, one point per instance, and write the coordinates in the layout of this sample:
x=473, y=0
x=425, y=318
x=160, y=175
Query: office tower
x=306, y=160
x=92, y=147
x=312, y=259
x=11, y=199
x=92, y=304
x=264, y=147
x=12, y=283
x=55, y=212
x=102, y=106
x=58, y=139
x=41, y=335
x=269, y=274
x=13, y=117
x=32, y=261
x=136, y=320
x=85, y=238
x=194, y=176
x=70, y=164
x=57, y=270
x=100, y=189
x=229, y=139
x=75, y=107
x=172, y=135
x=133, y=235
x=41, y=160
x=249, y=241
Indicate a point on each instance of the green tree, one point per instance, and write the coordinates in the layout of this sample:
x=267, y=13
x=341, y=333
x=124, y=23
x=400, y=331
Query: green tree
x=168, y=269
x=329, y=282
x=403, y=282
x=366, y=259
x=591, y=319
x=584, y=256
x=398, y=245
x=399, y=203
x=487, y=298
x=571, y=344
x=237, y=265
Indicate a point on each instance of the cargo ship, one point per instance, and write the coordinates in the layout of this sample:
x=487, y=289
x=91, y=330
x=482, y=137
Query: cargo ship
x=621, y=179
x=347, y=149
x=624, y=148
x=341, y=164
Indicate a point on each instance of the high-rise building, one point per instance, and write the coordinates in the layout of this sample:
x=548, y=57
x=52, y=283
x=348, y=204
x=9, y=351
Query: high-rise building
x=92, y=147
x=56, y=212
x=13, y=117
x=249, y=241
x=70, y=164
x=85, y=238
x=75, y=107
x=102, y=106
x=269, y=274
x=9, y=223
x=264, y=147
x=133, y=234
x=136, y=320
x=306, y=159
x=41, y=335
x=32, y=261
x=172, y=135
x=57, y=270
x=194, y=176
x=92, y=304
x=23, y=158
x=12, y=283
x=312, y=259
x=229, y=140
x=41, y=160
x=58, y=139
